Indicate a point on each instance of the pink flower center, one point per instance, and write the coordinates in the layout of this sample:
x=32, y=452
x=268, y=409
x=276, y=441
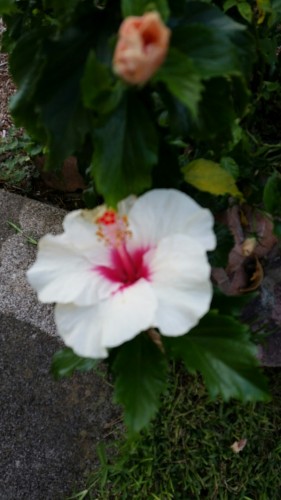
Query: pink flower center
x=125, y=267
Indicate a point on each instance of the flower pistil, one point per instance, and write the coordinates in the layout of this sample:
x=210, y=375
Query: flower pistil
x=127, y=267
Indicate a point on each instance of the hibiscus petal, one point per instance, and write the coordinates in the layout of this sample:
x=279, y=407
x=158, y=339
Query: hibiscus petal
x=64, y=273
x=127, y=313
x=80, y=228
x=180, y=278
x=162, y=212
x=81, y=329
x=125, y=205
x=90, y=330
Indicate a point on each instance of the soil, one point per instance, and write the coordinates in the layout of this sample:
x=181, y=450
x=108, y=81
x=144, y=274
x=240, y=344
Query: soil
x=7, y=89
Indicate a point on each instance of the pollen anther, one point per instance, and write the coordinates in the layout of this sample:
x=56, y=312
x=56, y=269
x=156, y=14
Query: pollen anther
x=112, y=228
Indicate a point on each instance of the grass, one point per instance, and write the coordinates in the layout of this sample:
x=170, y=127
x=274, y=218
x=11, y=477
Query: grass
x=16, y=153
x=186, y=453
x=18, y=230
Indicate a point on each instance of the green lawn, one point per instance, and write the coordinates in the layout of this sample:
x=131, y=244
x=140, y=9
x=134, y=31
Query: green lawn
x=186, y=452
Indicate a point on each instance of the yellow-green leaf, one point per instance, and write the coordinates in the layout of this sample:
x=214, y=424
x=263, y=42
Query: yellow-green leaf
x=263, y=6
x=209, y=176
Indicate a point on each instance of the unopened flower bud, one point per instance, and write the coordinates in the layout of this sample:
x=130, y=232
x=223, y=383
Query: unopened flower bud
x=141, y=48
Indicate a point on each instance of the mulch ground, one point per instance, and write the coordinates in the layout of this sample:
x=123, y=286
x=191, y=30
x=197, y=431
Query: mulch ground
x=7, y=89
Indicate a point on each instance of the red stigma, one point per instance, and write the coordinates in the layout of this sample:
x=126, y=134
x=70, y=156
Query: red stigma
x=108, y=218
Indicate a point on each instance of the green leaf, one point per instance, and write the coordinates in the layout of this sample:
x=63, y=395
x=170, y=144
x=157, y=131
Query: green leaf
x=166, y=174
x=225, y=243
x=27, y=64
x=63, y=8
x=265, y=5
x=65, y=362
x=217, y=44
x=220, y=349
x=98, y=90
x=179, y=118
x=230, y=166
x=139, y=7
x=60, y=96
x=230, y=305
x=49, y=102
x=198, y=12
x=181, y=78
x=90, y=197
x=277, y=228
x=126, y=148
x=228, y=4
x=272, y=194
x=141, y=376
x=211, y=50
x=217, y=115
x=177, y=7
x=209, y=176
x=8, y=6
x=276, y=5
x=245, y=11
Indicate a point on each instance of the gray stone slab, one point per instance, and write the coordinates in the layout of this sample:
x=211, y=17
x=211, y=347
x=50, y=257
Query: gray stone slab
x=16, y=255
x=48, y=430
x=10, y=208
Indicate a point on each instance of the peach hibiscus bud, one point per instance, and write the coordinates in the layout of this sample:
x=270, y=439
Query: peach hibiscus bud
x=141, y=48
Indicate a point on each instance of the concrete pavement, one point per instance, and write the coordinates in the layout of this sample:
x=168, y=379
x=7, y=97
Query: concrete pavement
x=48, y=430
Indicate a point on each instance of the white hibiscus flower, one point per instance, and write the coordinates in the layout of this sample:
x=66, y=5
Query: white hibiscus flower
x=114, y=274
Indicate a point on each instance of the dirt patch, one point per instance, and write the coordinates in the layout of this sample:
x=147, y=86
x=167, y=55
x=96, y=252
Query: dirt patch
x=7, y=89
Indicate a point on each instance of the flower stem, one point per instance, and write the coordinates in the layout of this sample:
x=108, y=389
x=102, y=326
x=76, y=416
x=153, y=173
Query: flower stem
x=156, y=338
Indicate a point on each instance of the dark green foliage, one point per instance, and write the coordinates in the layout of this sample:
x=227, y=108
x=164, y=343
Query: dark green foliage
x=8, y=6
x=123, y=160
x=50, y=97
x=229, y=305
x=214, y=127
x=272, y=194
x=230, y=166
x=220, y=349
x=65, y=362
x=207, y=36
x=140, y=369
x=16, y=159
x=61, y=57
x=182, y=80
x=138, y=7
x=225, y=242
x=100, y=92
